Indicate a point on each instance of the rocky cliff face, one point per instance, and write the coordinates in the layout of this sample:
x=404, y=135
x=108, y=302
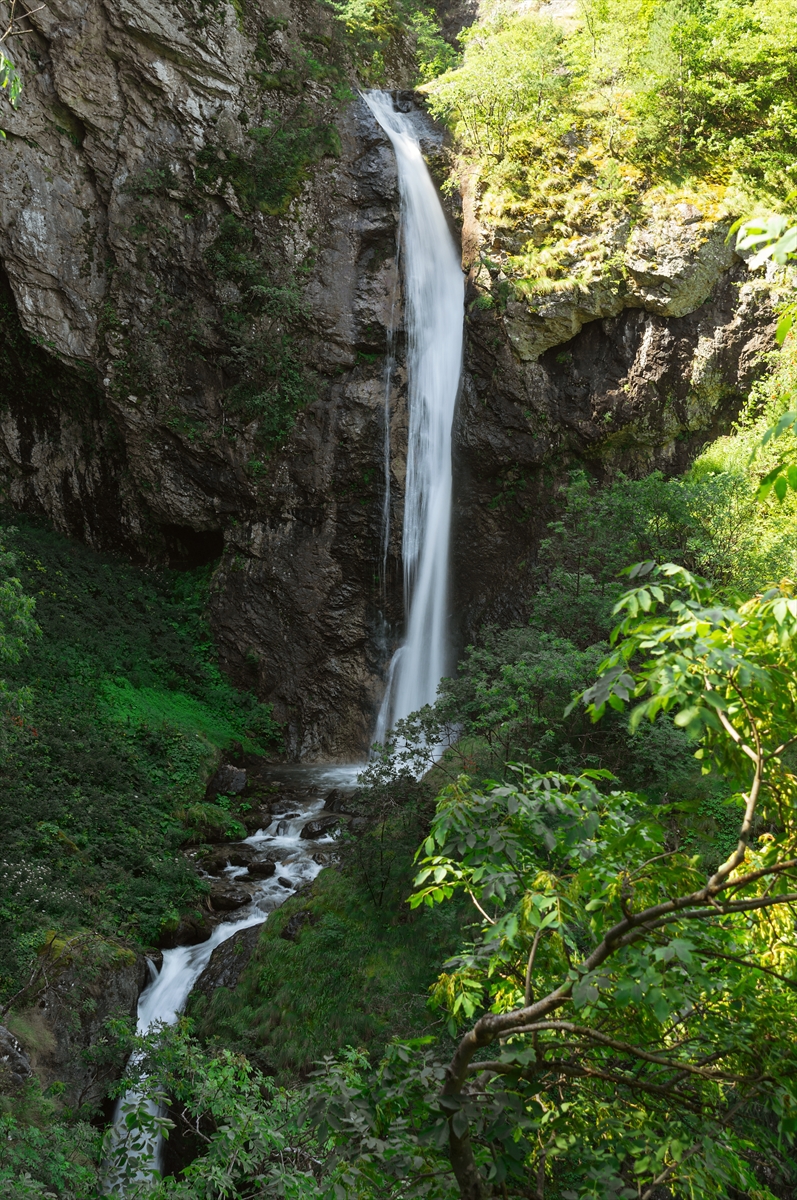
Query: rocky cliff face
x=70, y=1033
x=198, y=229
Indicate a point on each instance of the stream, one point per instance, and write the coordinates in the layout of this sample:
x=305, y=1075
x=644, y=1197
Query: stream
x=433, y=303
x=297, y=861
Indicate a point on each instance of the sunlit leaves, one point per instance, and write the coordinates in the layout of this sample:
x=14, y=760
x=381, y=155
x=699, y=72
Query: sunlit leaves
x=10, y=80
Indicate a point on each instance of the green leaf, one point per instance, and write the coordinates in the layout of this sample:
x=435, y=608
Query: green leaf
x=459, y=1123
x=784, y=327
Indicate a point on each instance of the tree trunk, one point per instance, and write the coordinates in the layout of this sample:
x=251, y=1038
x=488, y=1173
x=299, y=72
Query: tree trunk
x=471, y=1184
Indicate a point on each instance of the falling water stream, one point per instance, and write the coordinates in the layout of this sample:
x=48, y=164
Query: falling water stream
x=433, y=305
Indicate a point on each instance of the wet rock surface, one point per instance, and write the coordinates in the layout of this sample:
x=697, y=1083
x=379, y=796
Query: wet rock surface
x=318, y=828
x=226, y=896
x=228, y=961
x=261, y=870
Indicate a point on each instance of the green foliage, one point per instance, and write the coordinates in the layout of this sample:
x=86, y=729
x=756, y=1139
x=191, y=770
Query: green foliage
x=589, y=904
x=715, y=667
x=518, y=72
x=393, y=38
x=126, y=713
x=433, y=53
x=17, y=622
x=716, y=89
x=253, y=1138
x=331, y=969
x=776, y=239
x=43, y=1157
x=271, y=381
x=351, y=1132
x=631, y=106
x=555, y=865
x=10, y=80
x=277, y=166
x=375, y=30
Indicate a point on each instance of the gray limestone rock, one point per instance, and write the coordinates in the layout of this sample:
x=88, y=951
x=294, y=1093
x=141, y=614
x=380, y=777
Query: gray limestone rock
x=227, y=962
x=15, y=1068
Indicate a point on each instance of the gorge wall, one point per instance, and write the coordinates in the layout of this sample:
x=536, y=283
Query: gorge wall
x=198, y=222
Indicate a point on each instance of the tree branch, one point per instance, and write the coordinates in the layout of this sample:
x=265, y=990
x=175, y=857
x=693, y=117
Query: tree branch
x=623, y=1047
x=527, y=991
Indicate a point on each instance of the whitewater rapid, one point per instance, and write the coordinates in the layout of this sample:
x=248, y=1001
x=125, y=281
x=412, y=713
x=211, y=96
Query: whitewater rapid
x=165, y=996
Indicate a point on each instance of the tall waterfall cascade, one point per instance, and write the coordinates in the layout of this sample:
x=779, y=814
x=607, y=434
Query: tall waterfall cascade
x=434, y=314
x=433, y=306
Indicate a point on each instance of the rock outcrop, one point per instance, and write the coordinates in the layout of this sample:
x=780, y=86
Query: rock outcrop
x=227, y=962
x=637, y=391
x=198, y=228
x=70, y=1032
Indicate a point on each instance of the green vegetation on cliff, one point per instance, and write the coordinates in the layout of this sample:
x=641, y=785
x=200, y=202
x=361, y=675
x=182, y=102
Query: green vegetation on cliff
x=104, y=766
x=575, y=126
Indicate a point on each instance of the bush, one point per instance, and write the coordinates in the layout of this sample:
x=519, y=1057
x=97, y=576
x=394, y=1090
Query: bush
x=126, y=716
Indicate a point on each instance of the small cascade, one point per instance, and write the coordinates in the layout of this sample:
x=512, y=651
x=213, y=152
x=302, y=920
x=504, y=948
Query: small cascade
x=433, y=300
x=134, y=1159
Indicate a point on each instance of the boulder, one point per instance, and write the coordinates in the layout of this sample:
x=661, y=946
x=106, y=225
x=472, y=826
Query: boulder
x=320, y=826
x=228, y=781
x=236, y=854
x=338, y=801
x=257, y=818
x=227, y=962
x=226, y=896
x=261, y=870
x=295, y=924
x=189, y=930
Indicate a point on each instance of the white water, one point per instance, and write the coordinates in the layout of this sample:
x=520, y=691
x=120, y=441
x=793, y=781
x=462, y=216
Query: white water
x=433, y=294
x=433, y=297
x=164, y=998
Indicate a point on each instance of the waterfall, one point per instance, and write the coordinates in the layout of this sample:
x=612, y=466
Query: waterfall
x=433, y=304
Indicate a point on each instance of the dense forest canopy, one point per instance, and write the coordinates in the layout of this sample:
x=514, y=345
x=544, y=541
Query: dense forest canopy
x=557, y=959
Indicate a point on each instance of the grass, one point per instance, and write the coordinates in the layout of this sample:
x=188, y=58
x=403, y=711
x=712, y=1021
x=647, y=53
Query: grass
x=356, y=974
x=108, y=760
